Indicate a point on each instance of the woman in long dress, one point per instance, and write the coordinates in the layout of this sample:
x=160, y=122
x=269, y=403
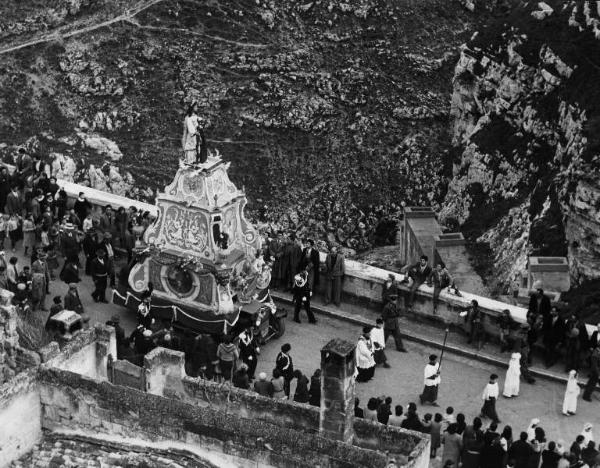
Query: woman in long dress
x=513, y=375
x=571, y=394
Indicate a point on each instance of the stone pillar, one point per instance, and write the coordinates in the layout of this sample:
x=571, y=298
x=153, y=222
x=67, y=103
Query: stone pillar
x=553, y=272
x=164, y=369
x=337, y=390
x=417, y=231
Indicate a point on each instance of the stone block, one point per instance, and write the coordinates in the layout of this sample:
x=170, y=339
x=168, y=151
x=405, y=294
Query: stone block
x=49, y=351
x=553, y=272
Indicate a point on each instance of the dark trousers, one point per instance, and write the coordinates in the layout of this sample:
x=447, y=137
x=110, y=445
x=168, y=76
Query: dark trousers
x=251, y=363
x=590, y=386
x=88, y=264
x=99, y=293
x=413, y=290
x=489, y=409
x=551, y=353
x=226, y=369
x=429, y=395
x=526, y=374
x=298, y=306
x=380, y=357
x=436, y=296
x=333, y=290
x=397, y=338
x=365, y=374
x=287, y=379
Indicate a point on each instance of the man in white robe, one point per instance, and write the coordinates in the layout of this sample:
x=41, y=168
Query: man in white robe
x=490, y=395
x=432, y=381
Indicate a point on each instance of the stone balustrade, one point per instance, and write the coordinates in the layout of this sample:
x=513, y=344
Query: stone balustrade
x=362, y=283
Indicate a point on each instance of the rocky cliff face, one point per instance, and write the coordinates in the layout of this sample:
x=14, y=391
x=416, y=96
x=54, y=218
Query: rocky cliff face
x=332, y=112
x=525, y=134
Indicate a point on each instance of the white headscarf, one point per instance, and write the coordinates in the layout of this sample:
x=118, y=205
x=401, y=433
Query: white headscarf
x=572, y=385
x=587, y=433
x=531, y=429
x=515, y=360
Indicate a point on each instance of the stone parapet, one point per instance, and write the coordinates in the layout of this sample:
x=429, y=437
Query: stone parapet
x=81, y=405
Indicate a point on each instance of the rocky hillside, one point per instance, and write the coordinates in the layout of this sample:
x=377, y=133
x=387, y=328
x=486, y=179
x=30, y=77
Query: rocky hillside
x=334, y=113
x=526, y=162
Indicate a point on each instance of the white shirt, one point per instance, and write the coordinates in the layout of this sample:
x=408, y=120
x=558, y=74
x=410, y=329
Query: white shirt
x=491, y=390
x=87, y=224
x=377, y=336
x=431, y=370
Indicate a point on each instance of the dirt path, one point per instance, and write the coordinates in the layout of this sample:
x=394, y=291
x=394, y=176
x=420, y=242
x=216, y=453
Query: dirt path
x=128, y=15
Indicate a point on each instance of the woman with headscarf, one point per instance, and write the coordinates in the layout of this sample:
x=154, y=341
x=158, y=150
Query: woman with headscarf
x=531, y=428
x=587, y=433
x=570, y=402
x=513, y=375
x=538, y=443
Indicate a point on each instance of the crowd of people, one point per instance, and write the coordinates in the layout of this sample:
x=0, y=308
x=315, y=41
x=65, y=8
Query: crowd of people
x=476, y=445
x=61, y=239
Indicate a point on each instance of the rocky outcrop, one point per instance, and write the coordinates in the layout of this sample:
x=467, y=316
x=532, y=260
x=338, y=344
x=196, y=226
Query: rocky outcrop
x=336, y=111
x=526, y=159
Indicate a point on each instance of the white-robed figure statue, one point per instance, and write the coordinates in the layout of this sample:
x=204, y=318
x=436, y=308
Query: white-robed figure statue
x=513, y=375
x=192, y=141
x=570, y=402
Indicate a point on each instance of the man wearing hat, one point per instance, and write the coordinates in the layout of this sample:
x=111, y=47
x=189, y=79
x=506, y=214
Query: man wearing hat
x=100, y=269
x=69, y=241
x=302, y=293
x=390, y=316
x=539, y=303
x=431, y=381
x=72, y=300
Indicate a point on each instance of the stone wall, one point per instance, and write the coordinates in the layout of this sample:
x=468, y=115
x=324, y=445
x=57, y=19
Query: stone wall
x=74, y=403
x=20, y=413
x=86, y=354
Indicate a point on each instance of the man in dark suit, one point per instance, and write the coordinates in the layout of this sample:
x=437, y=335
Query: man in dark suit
x=419, y=273
x=311, y=262
x=302, y=294
x=539, y=303
x=15, y=204
x=554, y=333
x=334, y=273
x=294, y=251
x=390, y=315
x=100, y=269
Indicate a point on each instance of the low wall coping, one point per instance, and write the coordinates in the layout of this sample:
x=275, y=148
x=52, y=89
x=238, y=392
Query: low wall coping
x=548, y=264
x=419, y=212
x=449, y=240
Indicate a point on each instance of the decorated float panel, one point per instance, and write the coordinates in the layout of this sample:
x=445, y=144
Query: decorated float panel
x=189, y=254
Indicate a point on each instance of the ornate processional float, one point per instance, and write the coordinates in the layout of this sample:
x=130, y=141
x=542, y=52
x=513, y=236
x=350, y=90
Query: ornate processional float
x=197, y=259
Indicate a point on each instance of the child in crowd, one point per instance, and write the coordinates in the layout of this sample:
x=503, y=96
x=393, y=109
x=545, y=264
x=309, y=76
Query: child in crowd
x=436, y=434
x=449, y=418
